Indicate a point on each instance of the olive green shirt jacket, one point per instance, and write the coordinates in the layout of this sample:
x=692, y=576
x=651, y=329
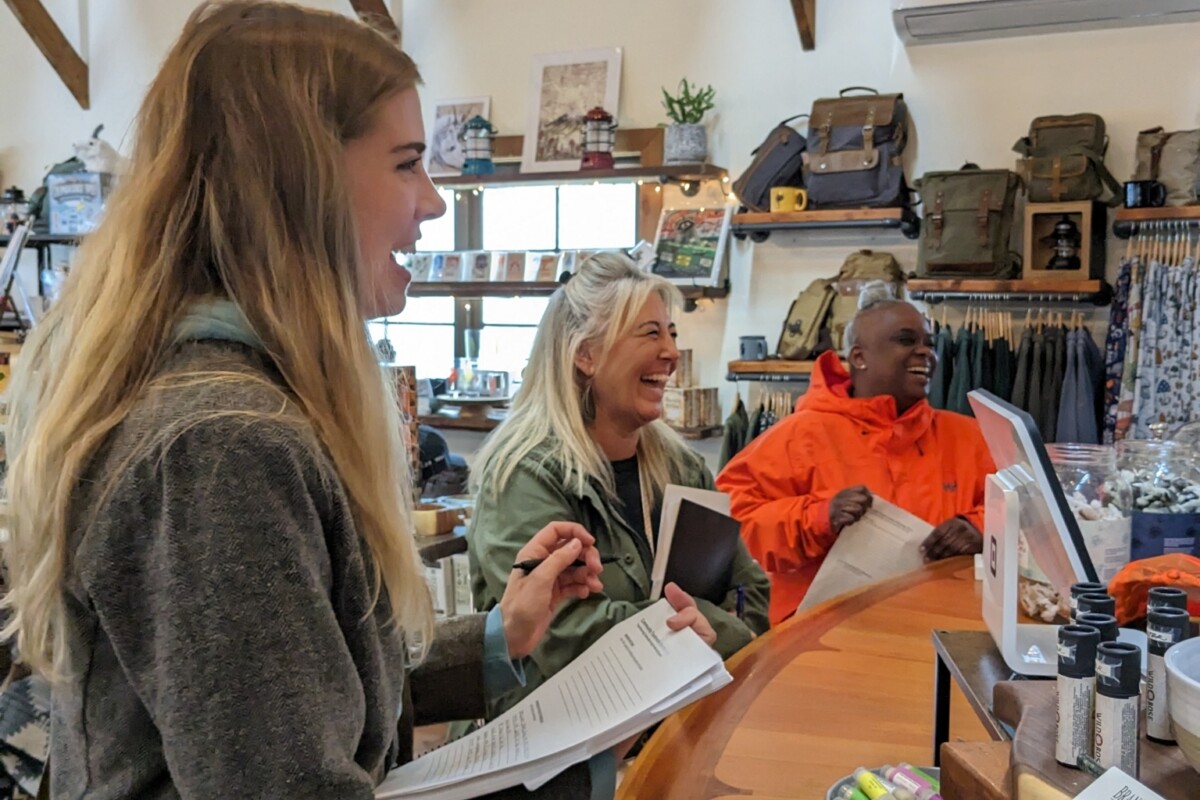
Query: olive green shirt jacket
x=537, y=495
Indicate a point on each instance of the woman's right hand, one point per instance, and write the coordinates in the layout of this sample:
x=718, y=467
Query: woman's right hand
x=687, y=615
x=848, y=507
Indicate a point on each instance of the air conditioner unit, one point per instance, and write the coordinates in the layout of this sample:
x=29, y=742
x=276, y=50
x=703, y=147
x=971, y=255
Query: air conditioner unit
x=933, y=21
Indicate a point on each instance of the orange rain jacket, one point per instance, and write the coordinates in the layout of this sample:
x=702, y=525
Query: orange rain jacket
x=931, y=463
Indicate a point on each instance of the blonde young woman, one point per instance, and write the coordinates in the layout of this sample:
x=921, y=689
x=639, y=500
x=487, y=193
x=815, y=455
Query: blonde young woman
x=210, y=548
x=584, y=443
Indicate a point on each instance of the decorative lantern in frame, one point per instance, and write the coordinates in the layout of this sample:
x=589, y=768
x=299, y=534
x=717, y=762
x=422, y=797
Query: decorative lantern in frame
x=1065, y=240
x=477, y=137
x=599, y=134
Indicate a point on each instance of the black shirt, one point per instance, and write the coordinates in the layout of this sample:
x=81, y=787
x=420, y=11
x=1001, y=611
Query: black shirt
x=629, y=492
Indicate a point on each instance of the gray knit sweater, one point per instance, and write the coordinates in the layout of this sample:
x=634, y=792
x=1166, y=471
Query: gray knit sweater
x=218, y=640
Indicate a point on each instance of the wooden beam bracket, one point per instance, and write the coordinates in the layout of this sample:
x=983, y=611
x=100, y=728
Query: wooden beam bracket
x=806, y=22
x=49, y=38
x=376, y=14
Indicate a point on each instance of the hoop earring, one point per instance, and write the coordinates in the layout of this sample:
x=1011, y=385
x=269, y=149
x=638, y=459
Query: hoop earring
x=587, y=402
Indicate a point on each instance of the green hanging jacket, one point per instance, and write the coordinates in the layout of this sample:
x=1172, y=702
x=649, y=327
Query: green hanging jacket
x=537, y=495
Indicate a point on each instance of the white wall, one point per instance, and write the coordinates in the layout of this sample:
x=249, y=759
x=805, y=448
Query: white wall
x=968, y=101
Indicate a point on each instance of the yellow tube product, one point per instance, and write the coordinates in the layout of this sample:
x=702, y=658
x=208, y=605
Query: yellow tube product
x=872, y=786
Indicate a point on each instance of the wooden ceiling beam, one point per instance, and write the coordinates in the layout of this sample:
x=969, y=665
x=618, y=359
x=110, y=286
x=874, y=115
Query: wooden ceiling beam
x=376, y=14
x=49, y=38
x=806, y=22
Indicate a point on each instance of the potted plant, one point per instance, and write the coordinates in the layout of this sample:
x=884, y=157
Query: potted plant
x=686, y=139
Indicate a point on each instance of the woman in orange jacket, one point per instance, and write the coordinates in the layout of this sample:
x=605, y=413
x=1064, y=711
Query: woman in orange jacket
x=854, y=435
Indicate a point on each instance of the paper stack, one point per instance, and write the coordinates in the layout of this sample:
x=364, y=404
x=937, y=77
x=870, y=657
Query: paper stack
x=636, y=674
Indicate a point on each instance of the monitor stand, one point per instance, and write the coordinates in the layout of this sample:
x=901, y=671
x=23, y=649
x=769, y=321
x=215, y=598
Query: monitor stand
x=1027, y=649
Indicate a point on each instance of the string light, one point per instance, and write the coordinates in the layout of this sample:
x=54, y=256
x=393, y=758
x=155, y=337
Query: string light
x=640, y=183
x=458, y=195
x=658, y=188
x=475, y=192
x=725, y=179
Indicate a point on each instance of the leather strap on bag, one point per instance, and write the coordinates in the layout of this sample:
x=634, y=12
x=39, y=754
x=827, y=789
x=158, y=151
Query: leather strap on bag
x=1056, y=187
x=981, y=216
x=938, y=220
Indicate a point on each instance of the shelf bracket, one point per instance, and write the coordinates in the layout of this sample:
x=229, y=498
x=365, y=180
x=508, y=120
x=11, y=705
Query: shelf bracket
x=49, y=38
x=806, y=22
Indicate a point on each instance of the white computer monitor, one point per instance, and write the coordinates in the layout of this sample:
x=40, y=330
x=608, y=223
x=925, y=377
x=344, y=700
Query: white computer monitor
x=1024, y=499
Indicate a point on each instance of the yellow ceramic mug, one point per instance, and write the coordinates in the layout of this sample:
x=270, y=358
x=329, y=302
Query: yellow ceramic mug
x=788, y=198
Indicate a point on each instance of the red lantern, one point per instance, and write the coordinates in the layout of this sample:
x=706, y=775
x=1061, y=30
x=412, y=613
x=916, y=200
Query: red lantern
x=599, y=134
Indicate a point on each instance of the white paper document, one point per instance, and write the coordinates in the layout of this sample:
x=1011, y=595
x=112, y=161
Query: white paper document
x=633, y=676
x=672, y=495
x=884, y=543
x=1116, y=785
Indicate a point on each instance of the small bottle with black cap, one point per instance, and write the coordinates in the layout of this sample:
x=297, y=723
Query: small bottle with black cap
x=1084, y=587
x=1118, y=691
x=1095, y=603
x=1105, y=623
x=1076, y=692
x=1165, y=626
x=1171, y=596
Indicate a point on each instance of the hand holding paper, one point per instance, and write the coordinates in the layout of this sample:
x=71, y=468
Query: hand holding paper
x=885, y=541
x=954, y=537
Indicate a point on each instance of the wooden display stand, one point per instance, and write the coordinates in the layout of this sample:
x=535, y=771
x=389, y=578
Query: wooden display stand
x=1090, y=218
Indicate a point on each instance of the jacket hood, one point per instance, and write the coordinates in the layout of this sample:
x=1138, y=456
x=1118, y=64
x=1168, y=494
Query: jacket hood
x=829, y=392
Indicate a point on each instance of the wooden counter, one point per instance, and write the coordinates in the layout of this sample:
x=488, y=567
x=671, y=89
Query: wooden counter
x=845, y=684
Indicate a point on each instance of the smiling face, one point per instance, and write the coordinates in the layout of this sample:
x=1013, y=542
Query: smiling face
x=894, y=354
x=391, y=196
x=629, y=380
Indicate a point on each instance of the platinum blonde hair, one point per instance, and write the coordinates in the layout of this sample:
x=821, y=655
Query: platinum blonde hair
x=597, y=306
x=873, y=295
x=236, y=190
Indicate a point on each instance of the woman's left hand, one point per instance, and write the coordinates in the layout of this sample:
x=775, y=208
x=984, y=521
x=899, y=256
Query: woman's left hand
x=530, y=601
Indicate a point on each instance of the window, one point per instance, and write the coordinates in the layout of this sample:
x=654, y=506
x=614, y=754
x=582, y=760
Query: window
x=572, y=217
x=423, y=335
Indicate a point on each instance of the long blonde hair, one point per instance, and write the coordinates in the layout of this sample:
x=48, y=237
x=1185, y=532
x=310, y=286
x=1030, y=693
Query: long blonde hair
x=598, y=305
x=236, y=190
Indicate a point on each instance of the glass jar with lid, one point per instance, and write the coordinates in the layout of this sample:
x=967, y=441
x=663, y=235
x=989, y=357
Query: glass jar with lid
x=1101, y=499
x=1166, y=495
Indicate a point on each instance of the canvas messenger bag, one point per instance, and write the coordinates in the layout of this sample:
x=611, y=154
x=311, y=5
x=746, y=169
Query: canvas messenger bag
x=1064, y=160
x=854, y=152
x=778, y=161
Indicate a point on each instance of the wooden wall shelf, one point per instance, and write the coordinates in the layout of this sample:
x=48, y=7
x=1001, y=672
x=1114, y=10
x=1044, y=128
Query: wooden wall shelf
x=759, y=225
x=1052, y=291
x=536, y=289
x=1127, y=221
x=680, y=173
x=695, y=434
x=771, y=370
x=457, y=423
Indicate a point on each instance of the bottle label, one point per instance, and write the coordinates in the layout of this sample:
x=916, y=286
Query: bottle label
x=1074, y=719
x=1116, y=737
x=1158, y=719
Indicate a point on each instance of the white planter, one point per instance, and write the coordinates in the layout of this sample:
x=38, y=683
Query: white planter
x=685, y=144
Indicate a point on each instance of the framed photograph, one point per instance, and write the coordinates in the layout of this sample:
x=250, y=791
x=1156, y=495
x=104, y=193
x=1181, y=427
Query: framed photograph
x=481, y=263
x=690, y=246
x=564, y=87
x=446, y=153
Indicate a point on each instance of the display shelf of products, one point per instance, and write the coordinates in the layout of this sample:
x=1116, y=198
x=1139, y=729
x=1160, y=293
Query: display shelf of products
x=672, y=173
x=759, y=225
x=1128, y=221
x=770, y=370
x=1051, y=291
x=482, y=424
x=42, y=239
x=533, y=289
x=695, y=434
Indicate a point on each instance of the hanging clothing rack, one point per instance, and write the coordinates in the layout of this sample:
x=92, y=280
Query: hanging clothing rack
x=1100, y=298
x=1126, y=228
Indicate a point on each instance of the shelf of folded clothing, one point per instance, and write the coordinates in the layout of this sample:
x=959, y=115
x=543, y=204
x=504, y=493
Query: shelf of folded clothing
x=1129, y=221
x=759, y=225
x=705, y=432
x=771, y=370
x=1049, y=291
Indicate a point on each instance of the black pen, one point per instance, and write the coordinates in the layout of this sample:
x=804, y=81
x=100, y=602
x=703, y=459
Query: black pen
x=531, y=564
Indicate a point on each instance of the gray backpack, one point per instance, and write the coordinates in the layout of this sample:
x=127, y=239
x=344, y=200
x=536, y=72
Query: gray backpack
x=854, y=151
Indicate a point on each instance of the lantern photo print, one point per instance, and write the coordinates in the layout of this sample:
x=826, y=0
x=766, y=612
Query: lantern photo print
x=563, y=88
x=447, y=151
